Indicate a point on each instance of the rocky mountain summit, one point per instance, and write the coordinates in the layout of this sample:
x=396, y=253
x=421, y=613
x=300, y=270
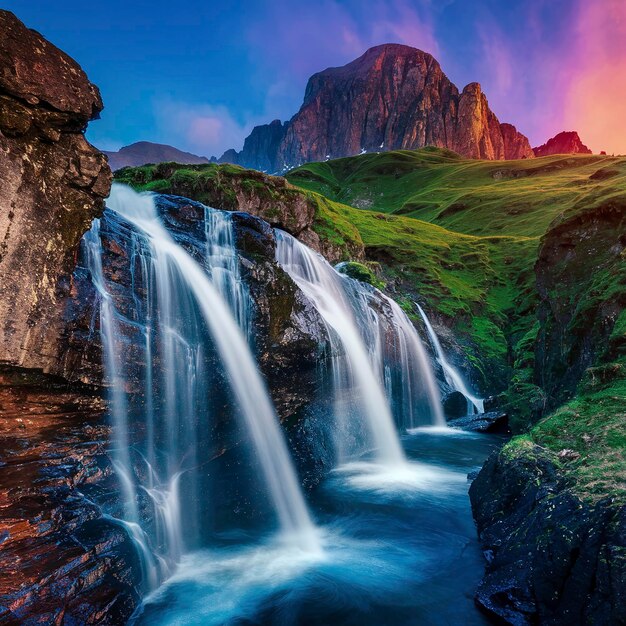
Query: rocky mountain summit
x=142, y=152
x=392, y=97
x=567, y=142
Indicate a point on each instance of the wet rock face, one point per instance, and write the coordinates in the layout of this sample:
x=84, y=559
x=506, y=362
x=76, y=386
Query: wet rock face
x=551, y=558
x=272, y=198
x=491, y=422
x=289, y=336
x=53, y=185
x=392, y=97
x=61, y=561
x=580, y=277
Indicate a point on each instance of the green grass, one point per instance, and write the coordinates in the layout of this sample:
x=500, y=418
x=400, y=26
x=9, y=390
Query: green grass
x=514, y=198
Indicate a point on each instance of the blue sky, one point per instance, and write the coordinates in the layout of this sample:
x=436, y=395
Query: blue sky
x=199, y=75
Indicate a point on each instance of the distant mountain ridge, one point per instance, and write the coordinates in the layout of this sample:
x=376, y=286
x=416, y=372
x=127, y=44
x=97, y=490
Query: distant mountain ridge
x=143, y=152
x=567, y=142
x=392, y=97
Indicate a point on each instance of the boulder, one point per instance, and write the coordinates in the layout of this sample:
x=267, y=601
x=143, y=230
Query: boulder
x=454, y=405
x=552, y=558
x=492, y=422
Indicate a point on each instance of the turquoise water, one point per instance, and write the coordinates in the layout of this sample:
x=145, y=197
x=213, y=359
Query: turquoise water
x=399, y=548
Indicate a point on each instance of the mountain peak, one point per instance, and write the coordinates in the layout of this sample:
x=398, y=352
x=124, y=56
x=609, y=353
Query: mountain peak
x=143, y=152
x=391, y=97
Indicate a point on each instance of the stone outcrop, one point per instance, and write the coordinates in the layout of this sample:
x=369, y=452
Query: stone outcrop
x=551, y=557
x=392, y=97
x=516, y=145
x=53, y=185
x=143, y=152
x=490, y=422
x=288, y=333
x=272, y=198
x=563, y=143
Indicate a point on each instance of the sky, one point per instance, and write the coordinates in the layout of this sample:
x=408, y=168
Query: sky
x=200, y=74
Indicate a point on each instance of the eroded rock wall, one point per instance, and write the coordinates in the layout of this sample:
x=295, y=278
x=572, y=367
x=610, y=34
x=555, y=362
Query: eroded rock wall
x=53, y=184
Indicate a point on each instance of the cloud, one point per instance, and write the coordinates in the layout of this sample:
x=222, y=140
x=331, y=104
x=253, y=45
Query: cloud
x=292, y=40
x=564, y=70
x=595, y=95
x=204, y=129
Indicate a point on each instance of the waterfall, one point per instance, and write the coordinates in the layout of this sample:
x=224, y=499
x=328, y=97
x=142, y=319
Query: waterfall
x=452, y=376
x=182, y=310
x=359, y=337
x=416, y=369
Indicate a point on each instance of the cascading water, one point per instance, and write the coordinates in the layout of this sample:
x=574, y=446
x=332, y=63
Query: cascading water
x=351, y=365
x=180, y=311
x=416, y=370
x=360, y=355
x=452, y=376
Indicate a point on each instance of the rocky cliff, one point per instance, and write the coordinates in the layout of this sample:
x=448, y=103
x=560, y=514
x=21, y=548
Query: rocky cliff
x=143, y=152
x=581, y=282
x=53, y=185
x=563, y=143
x=392, y=97
x=61, y=561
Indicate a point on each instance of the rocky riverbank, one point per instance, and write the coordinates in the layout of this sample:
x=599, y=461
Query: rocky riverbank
x=552, y=556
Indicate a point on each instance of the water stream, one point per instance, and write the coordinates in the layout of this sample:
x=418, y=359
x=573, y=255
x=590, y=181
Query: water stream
x=394, y=533
x=452, y=375
x=401, y=554
x=357, y=386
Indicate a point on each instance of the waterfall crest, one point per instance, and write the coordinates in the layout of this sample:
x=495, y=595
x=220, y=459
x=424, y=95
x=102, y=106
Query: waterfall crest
x=452, y=375
x=183, y=310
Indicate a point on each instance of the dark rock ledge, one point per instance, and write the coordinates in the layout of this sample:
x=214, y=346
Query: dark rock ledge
x=552, y=558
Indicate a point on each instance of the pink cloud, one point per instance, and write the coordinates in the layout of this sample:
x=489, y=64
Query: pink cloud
x=208, y=130
x=595, y=87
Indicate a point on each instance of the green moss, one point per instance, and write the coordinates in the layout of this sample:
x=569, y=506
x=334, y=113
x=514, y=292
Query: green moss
x=361, y=272
x=593, y=426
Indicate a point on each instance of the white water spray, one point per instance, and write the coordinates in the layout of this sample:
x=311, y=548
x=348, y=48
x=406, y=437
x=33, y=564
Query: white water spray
x=353, y=374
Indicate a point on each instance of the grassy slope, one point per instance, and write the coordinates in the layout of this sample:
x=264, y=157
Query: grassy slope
x=513, y=198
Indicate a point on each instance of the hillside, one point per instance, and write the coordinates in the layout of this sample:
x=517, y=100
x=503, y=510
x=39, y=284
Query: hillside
x=572, y=281
x=475, y=197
